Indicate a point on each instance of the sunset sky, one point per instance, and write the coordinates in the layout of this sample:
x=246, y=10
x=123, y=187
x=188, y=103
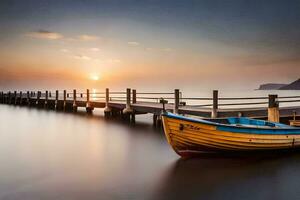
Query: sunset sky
x=148, y=44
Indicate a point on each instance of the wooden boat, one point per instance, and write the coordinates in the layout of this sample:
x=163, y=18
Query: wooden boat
x=190, y=136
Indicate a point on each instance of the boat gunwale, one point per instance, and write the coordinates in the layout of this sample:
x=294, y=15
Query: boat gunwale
x=285, y=130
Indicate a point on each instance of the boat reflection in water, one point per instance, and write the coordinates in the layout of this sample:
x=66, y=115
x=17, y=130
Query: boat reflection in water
x=256, y=177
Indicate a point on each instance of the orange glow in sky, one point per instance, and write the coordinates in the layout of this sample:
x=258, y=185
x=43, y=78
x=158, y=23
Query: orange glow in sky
x=106, y=44
x=94, y=77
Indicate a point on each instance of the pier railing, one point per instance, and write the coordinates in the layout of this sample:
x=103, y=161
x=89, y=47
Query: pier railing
x=175, y=100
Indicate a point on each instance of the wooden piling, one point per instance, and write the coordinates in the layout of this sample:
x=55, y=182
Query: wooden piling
x=133, y=96
x=21, y=100
x=65, y=100
x=9, y=97
x=214, y=112
x=56, y=100
x=273, y=108
x=74, y=101
x=88, y=107
x=28, y=98
x=133, y=102
x=107, y=109
x=38, y=98
x=176, y=101
x=157, y=121
x=46, y=99
x=154, y=120
x=15, y=97
x=128, y=108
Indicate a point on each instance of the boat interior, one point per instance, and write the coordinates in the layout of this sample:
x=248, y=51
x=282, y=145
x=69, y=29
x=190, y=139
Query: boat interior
x=247, y=122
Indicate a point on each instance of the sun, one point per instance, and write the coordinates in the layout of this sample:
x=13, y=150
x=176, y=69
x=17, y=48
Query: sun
x=94, y=77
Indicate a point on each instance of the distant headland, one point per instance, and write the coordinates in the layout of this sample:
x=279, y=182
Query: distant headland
x=279, y=86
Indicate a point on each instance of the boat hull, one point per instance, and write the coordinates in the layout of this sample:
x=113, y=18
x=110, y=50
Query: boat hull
x=189, y=138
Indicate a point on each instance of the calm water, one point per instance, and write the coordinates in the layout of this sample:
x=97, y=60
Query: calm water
x=49, y=155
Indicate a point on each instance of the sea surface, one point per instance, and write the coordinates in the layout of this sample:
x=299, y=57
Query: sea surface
x=54, y=155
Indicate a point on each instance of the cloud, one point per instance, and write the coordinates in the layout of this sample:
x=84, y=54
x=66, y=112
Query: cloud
x=87, y=37
x=114, y=61
x=82, y=57
x=94, y=49
x=44, y=34
x=65, y=50
x=167, y=49
x=132, y=43
x=267, y=60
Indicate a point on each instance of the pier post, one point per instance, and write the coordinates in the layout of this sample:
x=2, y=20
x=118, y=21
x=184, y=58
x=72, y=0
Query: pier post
x=133, y=102
x=65, y=100
x=38, y=98
x=74, y=101
x=107, y=109
x=56, y=100
x=128, y=109
x=88, y=107
x=176, y=101
x=133, y=96
x=21, y=100
x=273, y=109
x=157, y=121
x=28, y=98
x=15, y=97
x=9, y=97
x=154, y=119
x=214, y=112
x=46, y=99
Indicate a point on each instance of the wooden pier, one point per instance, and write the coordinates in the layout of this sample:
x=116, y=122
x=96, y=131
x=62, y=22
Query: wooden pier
x=130, y=103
